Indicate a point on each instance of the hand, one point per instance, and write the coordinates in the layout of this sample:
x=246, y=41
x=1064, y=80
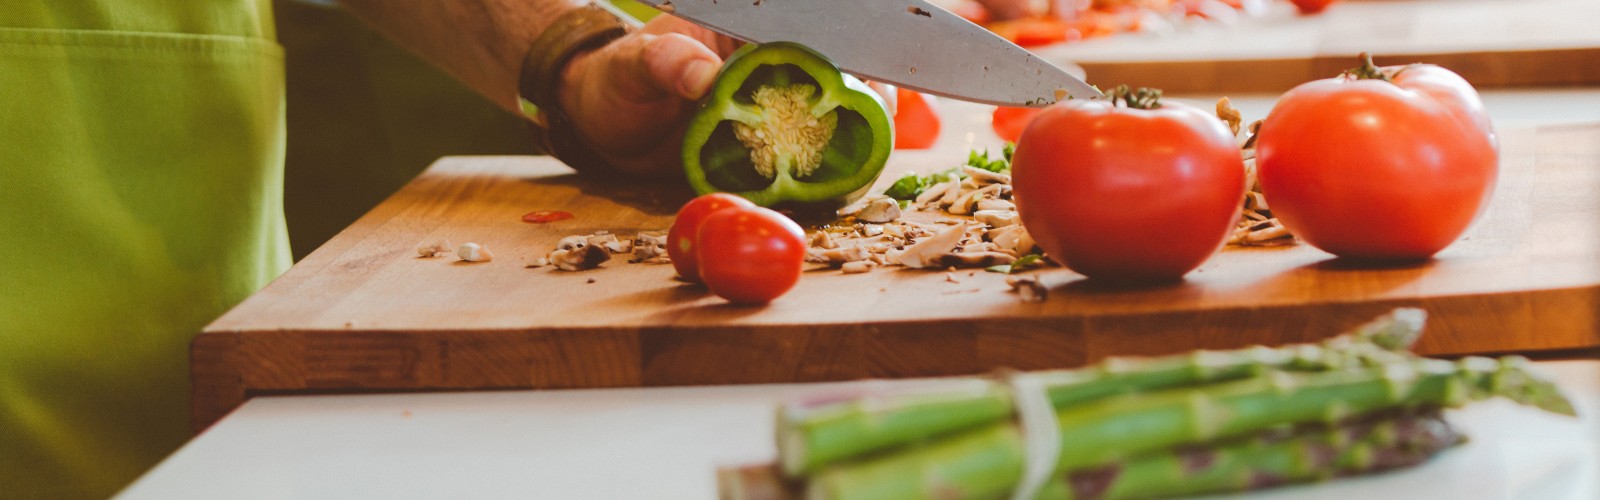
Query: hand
x=631, y=98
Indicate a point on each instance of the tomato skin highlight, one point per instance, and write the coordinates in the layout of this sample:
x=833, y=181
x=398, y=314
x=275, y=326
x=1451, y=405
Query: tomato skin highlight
x=1122, y=194
x=916, y=120
x=750, y=255
x=686, y=226
x=1368, y=169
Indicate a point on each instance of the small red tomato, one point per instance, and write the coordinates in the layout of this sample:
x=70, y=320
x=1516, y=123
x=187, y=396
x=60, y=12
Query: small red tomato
x=1009, y=122
x=1307, y=7
x=681, y=237
x=1128, y=194
x=1371, y=169
x=750, y=255
x=916, y=121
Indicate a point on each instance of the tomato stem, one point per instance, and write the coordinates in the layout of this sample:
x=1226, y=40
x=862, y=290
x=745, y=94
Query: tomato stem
x=1367, y=70
x=1136, y=98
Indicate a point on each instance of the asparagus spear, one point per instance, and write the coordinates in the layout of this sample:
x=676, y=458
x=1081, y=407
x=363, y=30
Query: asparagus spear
x=1307, y=453
x=809, y=438
x=986, y=462
x=1311, y=453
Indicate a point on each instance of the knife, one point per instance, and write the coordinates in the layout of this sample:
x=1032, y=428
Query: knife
x=909, y=43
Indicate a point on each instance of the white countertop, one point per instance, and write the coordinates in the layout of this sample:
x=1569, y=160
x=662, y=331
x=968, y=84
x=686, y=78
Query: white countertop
x=667, y=443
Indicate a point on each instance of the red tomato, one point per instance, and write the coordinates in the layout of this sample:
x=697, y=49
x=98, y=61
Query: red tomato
x=1033, y=31
x=916, y=122
x=750, y=255
x=1378, y=170
x=1312, y=6
x=1009, y=122
x=1128, y=194
x=681, y=237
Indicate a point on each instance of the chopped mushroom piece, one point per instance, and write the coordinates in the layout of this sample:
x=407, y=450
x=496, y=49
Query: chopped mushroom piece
x=869, y=230
x=974, y=259
x=650, y=248
x=578, y=256
x=837, y=256
x=933, y=194
x=821, y=239
x=880, y=210
x=963, y=204
x=435, y=248
x=926, y=253
x=858, y=267
x=473, y=252
x=1014, y=238
x=984, y=177
x=1028, y=287
x=610, y=242
x=996, y=218
x=996, y=204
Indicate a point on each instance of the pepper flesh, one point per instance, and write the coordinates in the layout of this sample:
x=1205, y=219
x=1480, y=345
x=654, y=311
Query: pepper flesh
x=782, y=126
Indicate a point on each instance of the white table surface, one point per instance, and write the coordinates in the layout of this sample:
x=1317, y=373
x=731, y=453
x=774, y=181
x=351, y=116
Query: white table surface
x=666, y=443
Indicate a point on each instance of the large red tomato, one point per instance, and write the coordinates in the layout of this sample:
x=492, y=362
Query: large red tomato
x=750, y=255
x=681, y=237
x=1128, y=194
x=1373, y=169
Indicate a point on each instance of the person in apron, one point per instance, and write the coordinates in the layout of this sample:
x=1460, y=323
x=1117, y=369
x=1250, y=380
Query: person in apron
x=142, y=147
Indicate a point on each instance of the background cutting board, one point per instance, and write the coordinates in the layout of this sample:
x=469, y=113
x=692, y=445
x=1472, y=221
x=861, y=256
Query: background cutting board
x=1492, y=43
x=363, y=313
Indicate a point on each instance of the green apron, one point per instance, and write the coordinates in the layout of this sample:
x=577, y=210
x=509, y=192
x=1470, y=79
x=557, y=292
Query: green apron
x=141, y=157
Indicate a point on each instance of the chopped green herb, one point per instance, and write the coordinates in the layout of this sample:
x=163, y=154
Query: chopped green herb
x=1029, y=261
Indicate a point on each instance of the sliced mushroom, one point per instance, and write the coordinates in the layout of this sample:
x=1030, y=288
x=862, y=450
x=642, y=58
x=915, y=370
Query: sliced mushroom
x=650, y=248
x=837, y=256
x=996, y=204
x=610, y=243
x=951, y=195
x=572, y=243
x=880, y=210
x=974, y=259
x=578, y=257
x=821, y=239
x=985, y=177
x=926, y=253
x=933, y=193
x=1014, y=238
x=857, y=267
x=963, y=204
x=869, y=230
x=997, y=218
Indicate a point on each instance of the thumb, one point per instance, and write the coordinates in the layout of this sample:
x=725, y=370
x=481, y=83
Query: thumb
x=681, y=65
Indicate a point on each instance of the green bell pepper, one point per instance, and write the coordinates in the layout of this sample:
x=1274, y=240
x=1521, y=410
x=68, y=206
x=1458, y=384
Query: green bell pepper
x=782, y=126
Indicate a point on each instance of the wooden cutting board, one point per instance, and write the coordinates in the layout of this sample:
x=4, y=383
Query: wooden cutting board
x=1493, y=43
x=364, y=313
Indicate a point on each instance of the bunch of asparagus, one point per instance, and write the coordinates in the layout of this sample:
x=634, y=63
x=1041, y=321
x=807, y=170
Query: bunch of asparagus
x=1207, y=421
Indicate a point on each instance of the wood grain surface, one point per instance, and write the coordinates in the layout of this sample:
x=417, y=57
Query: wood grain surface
x=1491, y=43
x=364, y=313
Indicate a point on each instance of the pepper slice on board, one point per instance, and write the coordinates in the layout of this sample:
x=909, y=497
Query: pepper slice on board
x=782, y=126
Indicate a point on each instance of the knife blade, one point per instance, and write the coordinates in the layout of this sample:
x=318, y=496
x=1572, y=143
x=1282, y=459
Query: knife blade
x=909, y=43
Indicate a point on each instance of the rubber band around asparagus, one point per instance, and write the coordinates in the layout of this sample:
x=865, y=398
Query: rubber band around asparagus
x=1041, y=438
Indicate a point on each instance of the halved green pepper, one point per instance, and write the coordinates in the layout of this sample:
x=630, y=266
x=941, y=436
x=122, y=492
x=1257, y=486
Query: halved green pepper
x=782, y=126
